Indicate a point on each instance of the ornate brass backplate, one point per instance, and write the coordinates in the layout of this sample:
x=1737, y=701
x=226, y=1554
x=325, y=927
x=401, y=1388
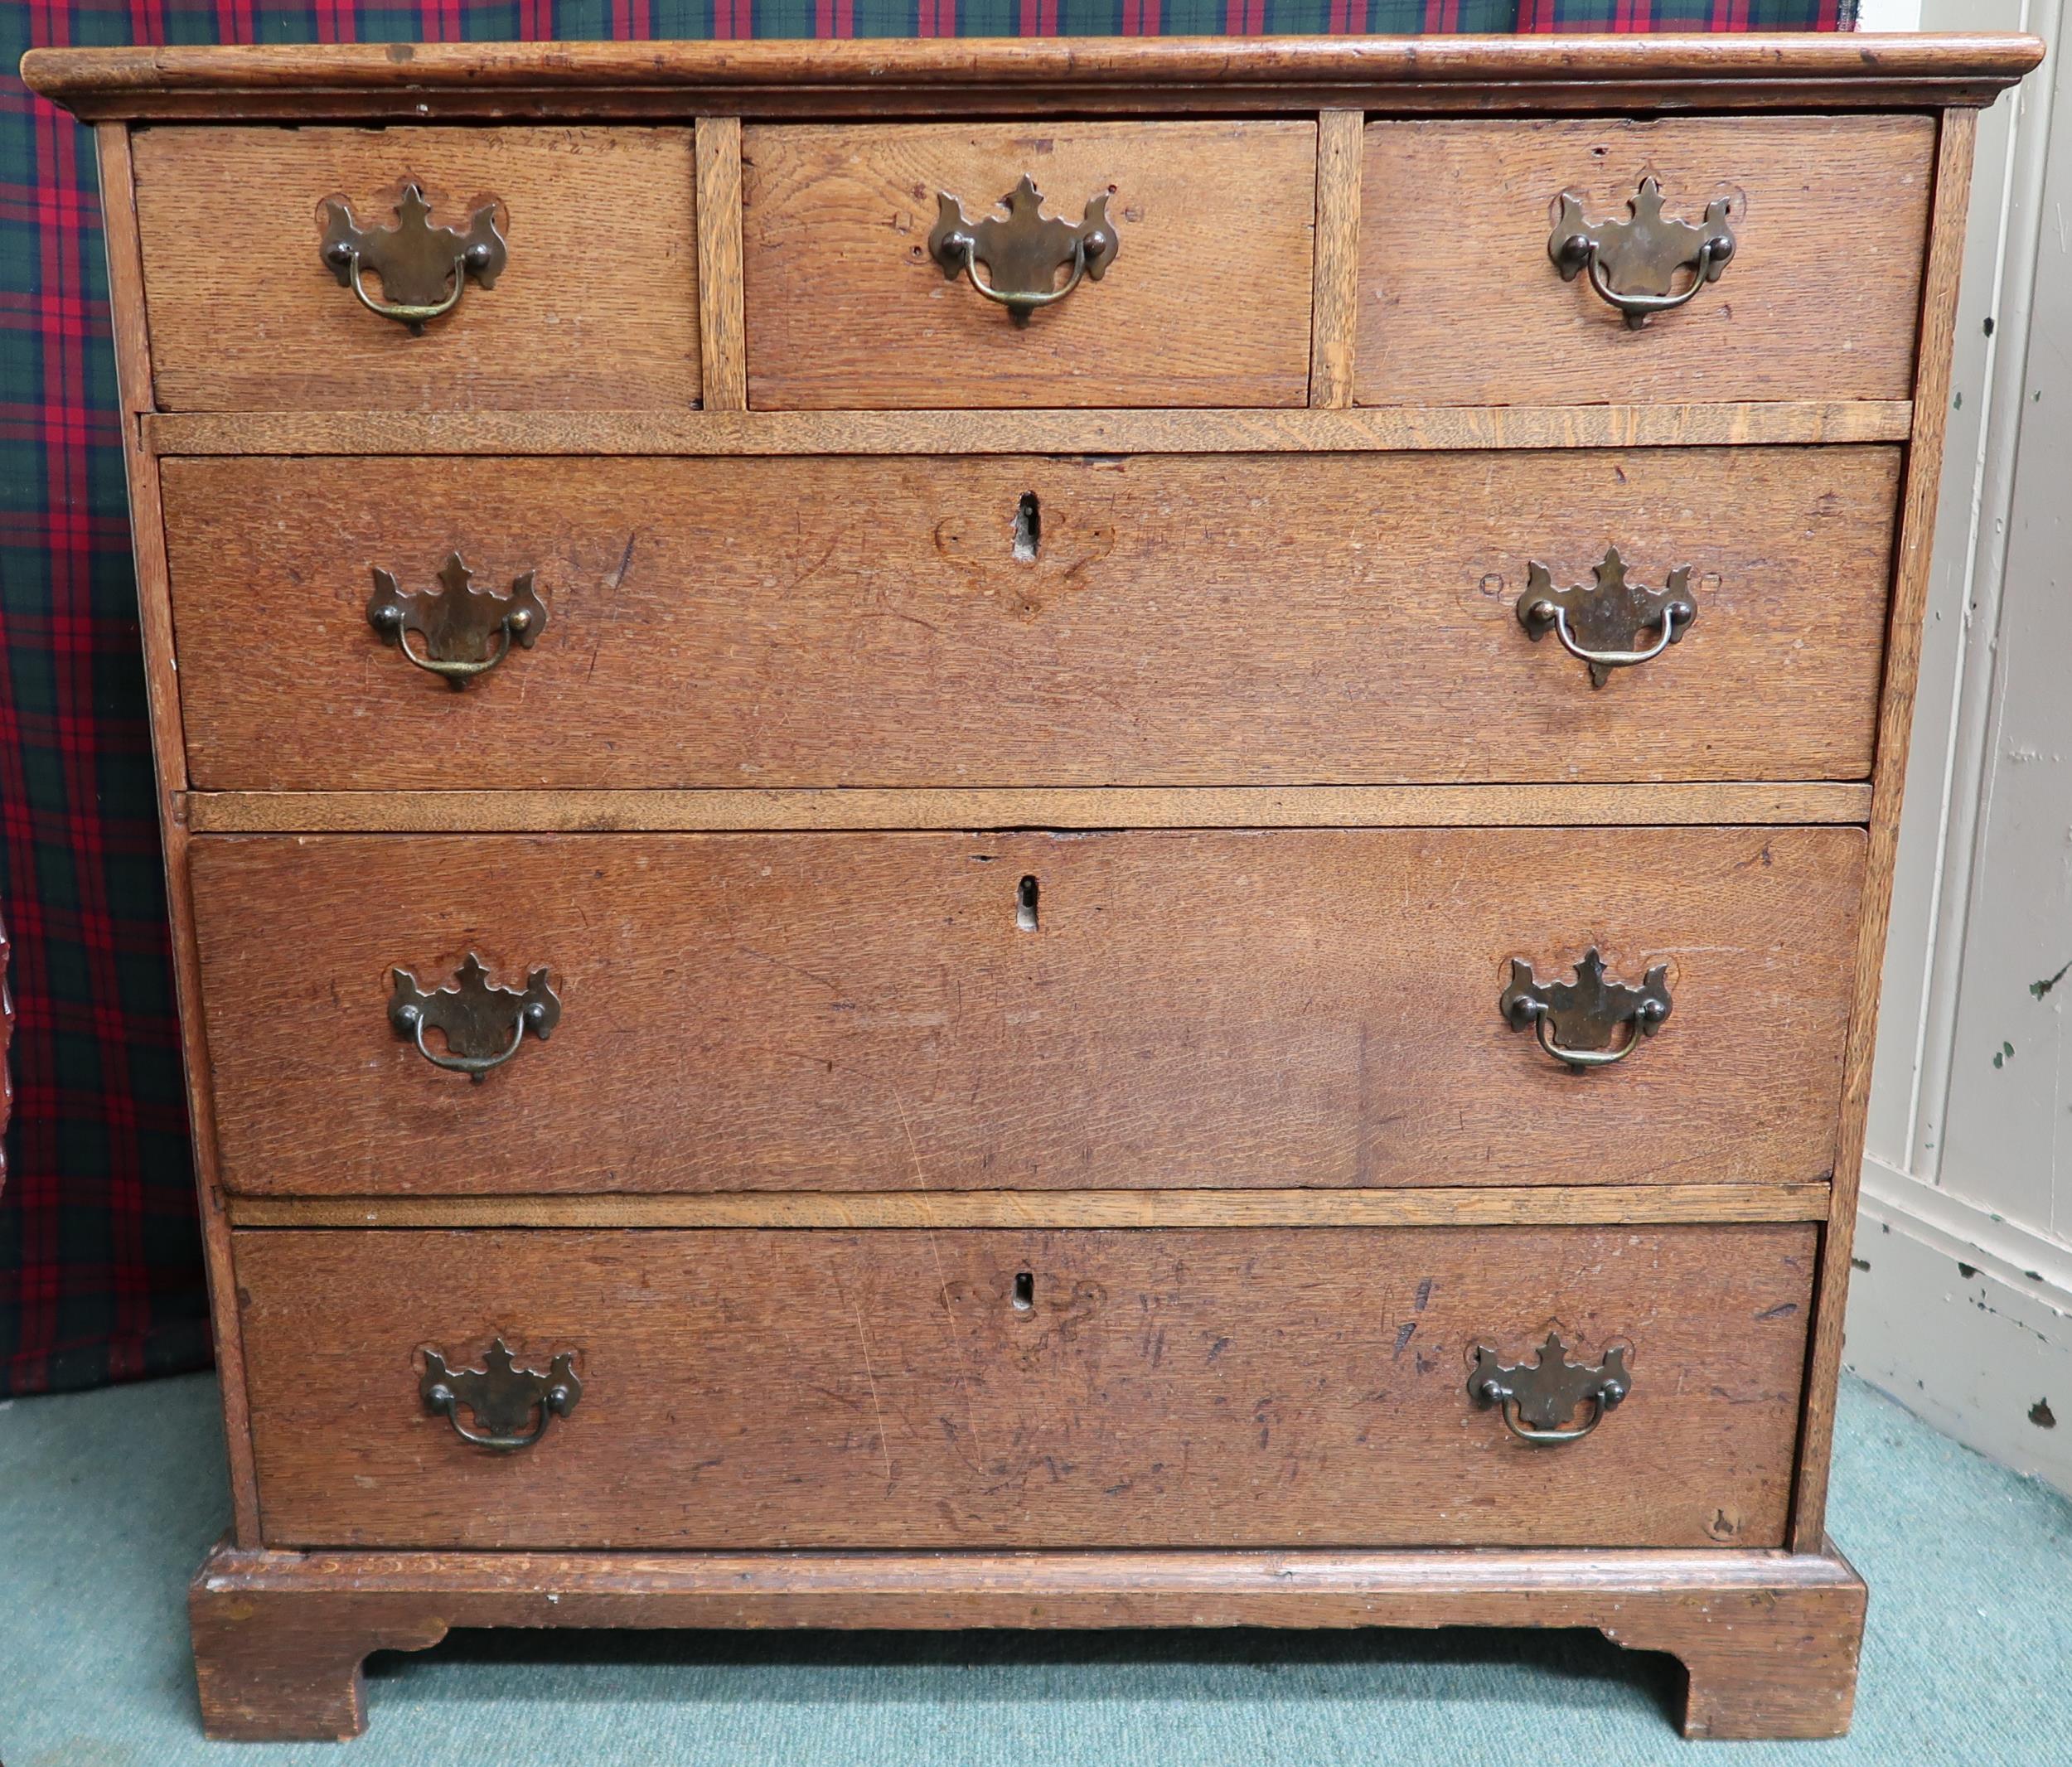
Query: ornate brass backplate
x=483, y=1024
x=1634, y=264
x=1540, y=1396
x=1024, y=250
x=1579, y=1022
x=424, y=269
x=1600, y=622
x=467, y=630
x=502, y=1395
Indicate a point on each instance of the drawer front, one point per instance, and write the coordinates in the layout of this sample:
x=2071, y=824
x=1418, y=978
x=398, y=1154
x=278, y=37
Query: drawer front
x=595, y=304
x=1206, y=301
x=1461, y=302
x=1213, y=1387
x=915, y=622
x=916, y=1012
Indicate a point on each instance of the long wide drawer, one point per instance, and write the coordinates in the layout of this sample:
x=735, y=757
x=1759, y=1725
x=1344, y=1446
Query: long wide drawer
x=918, y=1011
x=900, y=620
x=1214, y=1388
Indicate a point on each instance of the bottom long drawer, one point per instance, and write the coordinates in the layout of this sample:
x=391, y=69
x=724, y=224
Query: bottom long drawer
x=1218, y=1387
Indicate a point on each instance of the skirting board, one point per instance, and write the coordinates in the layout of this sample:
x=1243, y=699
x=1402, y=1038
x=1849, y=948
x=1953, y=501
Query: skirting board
x=1966, y=1321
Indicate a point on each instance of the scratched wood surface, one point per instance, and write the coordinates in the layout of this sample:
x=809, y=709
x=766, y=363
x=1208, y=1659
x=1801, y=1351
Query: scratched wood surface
x=1218, y=1387
x=1207, y=302
x=597, y=307
x=1460, y=303
x=868, y=622
x=864, y=1012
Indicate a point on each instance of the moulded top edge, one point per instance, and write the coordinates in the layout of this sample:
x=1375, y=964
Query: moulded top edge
x=345, y=79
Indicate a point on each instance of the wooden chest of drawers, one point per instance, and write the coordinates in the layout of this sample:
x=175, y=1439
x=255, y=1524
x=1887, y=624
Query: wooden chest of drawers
x=1032, y=834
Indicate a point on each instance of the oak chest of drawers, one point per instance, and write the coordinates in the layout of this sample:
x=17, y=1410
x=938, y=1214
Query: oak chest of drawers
x=1011, y=833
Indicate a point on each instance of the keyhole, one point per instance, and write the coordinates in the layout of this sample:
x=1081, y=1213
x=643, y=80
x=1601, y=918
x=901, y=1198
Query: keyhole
x=1029, y=529
x=1024, y=1291
x=1025, y=905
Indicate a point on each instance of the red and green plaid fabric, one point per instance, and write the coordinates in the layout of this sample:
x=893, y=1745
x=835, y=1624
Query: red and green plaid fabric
x=100, y=1264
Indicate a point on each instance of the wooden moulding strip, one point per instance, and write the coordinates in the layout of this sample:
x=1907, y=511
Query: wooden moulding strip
x=1768, y=1639
x=950, y=808
x=1375, y=429
x=168, y=743
x=1896, y=721
x=1555, y=1205
x=967, y=77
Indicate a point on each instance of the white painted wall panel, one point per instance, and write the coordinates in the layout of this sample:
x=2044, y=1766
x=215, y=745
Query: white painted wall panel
x=1961, y=1304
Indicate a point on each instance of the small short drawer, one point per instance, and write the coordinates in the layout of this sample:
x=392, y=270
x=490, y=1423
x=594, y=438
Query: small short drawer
x=1462, y=302
x=577, y=284
x=859, y=296
x=872, y=1012
x=1156, y=620
x=1204, y=1388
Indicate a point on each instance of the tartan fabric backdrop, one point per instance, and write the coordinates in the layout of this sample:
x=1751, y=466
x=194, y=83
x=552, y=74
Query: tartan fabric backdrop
x=100, y=1262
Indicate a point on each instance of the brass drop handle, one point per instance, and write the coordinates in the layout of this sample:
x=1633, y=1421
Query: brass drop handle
x=1633, y=264
x=1023, y=250
x=424, y=270
x=503, y=1396
x=1601, y=623
x=1579, y=1023
x=1535, y=1397
x=466, y=631
x=483, y=1024
x=1022, y=302
x=403, y=312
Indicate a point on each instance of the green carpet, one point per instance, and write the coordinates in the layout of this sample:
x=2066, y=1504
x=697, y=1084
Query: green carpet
x=108, y=1501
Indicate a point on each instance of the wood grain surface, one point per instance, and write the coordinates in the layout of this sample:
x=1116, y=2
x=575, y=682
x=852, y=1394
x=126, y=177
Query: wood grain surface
x=1769, y=1639
x=1336, y=301
x=1821, y=297
x=863, y=1012
x=872, y=1390
x=722, y=331
x=866, y=623
x=1207, y=302
x=168, y=746
x=1279, y=432
x=1153, y=806
x=1541, y=1205
x=1896, y=731
x=597, y=306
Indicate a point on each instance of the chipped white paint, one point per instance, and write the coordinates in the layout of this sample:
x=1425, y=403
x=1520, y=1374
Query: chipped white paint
x=1962, y=1302
x=1889, y=15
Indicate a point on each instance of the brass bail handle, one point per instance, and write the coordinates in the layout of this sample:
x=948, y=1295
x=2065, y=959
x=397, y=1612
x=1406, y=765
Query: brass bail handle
x=404, y=313
x=425, y=270
x=1601, y=623
x=484, y=1025
x=504, y=1397
x=1023, y=303
x=1633, y=264
x=466, y=631
x=1534, y=1397
x=1589, y=1021
x=1023, y=250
